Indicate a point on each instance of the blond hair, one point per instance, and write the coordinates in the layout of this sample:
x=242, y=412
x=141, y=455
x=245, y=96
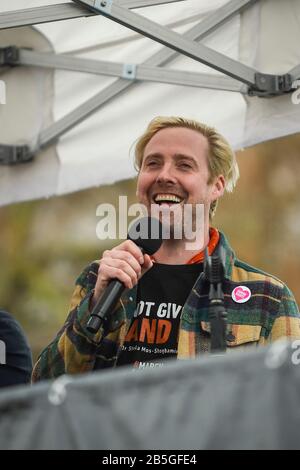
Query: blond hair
x=221, y=158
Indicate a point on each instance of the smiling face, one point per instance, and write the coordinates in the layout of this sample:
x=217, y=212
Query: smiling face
x=175, y=171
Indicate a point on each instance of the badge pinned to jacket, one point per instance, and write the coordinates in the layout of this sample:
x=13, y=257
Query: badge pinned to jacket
x=241, y=294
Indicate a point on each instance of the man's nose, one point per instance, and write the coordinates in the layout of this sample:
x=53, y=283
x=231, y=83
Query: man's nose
x=166, y=174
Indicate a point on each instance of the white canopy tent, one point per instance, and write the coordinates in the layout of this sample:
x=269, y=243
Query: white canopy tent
x=87, y=86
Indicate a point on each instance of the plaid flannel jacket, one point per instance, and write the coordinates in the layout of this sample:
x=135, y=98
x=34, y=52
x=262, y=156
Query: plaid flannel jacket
x=271, y=313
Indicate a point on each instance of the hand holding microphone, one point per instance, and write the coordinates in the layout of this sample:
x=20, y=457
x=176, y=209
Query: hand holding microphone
x=125, y=262
x=122, y=267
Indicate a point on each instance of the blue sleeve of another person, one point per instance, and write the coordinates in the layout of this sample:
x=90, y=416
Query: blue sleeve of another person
x=15, y=353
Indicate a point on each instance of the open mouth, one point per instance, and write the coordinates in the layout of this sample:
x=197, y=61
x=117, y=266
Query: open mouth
x=167, y=199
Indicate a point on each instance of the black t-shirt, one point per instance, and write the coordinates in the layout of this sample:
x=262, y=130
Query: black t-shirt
x=153, y=333
x=15, y=354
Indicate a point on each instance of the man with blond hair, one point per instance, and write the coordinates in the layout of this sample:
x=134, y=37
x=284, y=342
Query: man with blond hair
x=164, y=311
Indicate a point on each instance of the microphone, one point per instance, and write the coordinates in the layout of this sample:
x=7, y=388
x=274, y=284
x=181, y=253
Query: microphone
x=146, y=233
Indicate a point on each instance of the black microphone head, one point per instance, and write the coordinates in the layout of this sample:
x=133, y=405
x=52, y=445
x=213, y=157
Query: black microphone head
x=147, y=234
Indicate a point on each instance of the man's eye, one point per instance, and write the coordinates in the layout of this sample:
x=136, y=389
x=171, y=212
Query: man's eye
x=185, y=166
x=151, y=163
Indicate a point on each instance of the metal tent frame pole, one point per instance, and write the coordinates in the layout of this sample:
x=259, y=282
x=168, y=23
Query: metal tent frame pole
x=169, y=38
x=62, y=11
x=259, y=84
x=126, y=70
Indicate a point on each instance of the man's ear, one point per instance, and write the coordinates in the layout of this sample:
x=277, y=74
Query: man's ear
x=218, y=187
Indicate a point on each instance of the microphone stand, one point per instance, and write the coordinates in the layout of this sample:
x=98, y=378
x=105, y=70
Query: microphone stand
x=214, y=273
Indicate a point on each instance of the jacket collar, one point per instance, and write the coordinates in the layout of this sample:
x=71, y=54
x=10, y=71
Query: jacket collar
x=229, y=255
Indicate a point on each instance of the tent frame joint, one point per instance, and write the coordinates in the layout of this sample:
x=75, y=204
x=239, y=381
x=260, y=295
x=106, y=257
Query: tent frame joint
x=267, y=85
x=9, y=55
x=15, y=154
x=104, y=5
x=129, y=71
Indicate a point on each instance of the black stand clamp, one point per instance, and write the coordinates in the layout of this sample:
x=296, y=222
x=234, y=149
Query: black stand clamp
x=214, y=269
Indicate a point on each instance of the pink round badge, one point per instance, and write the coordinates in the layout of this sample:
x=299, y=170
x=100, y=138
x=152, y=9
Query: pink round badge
x=241, y=294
